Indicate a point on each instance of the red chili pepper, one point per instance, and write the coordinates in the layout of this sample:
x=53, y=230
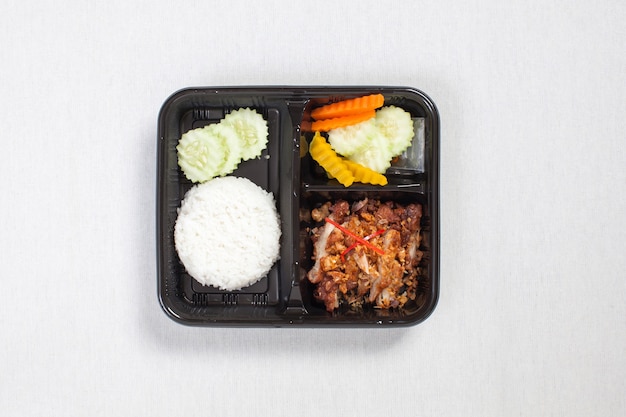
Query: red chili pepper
x=358, y=238
x=355, y=244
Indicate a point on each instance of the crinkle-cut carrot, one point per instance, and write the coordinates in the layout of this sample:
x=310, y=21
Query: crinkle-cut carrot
x=364, y=174
x=329, y=124
x=348, y=107
x=321, y=152
x=305, y=126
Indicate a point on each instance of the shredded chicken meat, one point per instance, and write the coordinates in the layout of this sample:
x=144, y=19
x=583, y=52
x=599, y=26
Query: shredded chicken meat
x=381, y=269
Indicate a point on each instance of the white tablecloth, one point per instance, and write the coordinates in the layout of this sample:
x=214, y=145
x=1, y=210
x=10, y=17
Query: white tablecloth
x=532, y=315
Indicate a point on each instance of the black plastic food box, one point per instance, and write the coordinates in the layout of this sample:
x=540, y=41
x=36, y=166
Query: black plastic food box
x=285, y=296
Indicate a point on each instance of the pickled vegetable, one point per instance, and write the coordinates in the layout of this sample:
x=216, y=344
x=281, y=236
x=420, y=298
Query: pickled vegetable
x=324, y=155
x=375, y=142
x=328, y=124
x=217, y=149
x=364, y=174
x=352, y=139
x=396, y=126
x=349, y=107
x=251, y=129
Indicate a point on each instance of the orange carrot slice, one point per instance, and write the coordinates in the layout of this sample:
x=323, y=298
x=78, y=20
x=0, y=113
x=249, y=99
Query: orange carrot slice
x=337, y=122
x=348, y=107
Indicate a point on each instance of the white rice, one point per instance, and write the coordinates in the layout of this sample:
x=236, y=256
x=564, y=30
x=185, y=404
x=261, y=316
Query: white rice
x=227, y=233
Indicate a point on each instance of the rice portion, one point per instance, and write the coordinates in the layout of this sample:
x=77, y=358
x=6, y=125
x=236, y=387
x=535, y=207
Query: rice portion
x=227, y=233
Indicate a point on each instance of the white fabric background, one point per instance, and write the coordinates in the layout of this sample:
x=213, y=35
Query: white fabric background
x=532, y=314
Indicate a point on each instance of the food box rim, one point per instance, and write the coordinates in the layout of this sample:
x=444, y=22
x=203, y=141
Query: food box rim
x=305, y=92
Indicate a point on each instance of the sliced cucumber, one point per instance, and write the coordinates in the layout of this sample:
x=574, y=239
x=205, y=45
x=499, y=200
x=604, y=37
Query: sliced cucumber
x=230, y=145
x=375, y=142
x=251, y=129
x=396, y=126
x=208, y=152
x=217, y=149
x=200, y=154
x=375, y=156
x=352, y=139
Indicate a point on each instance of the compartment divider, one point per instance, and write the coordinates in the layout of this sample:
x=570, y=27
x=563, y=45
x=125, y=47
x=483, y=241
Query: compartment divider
x=293, y=305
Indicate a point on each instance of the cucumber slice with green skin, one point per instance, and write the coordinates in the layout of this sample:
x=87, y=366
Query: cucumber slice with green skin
x=209, y=152
x=200, y=154
x=349, y=140
x=217, y=149
x=230, y=145
x=396, y=126
x=375, y=156
x=375, y=142
x=251, y=129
